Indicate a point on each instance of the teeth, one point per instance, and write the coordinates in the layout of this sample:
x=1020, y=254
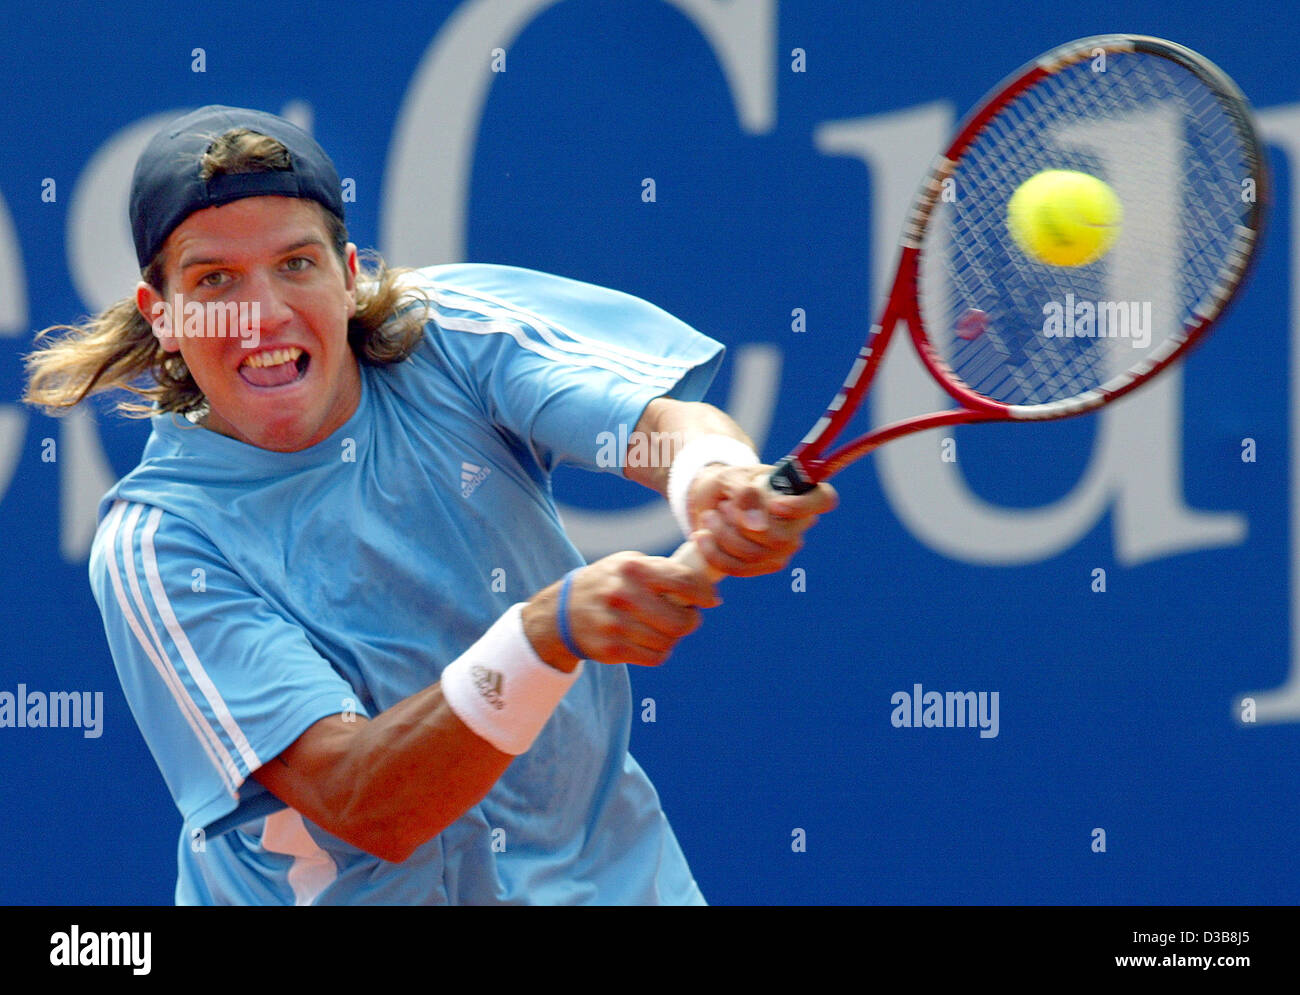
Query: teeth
x=274, y=357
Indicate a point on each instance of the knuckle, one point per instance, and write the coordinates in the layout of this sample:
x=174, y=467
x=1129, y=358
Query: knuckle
x=633, y=568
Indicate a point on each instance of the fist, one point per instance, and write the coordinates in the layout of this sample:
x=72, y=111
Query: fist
x=624, y=608
x=743, y=527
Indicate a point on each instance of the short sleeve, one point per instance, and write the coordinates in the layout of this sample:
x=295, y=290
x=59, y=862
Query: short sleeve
x=218, y=682
x=559, y=362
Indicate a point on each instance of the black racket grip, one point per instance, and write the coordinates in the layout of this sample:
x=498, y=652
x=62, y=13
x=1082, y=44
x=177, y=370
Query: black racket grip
x=788, y=478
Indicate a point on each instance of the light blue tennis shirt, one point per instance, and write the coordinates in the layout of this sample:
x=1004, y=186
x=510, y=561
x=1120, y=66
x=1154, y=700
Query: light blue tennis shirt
x=248, y=593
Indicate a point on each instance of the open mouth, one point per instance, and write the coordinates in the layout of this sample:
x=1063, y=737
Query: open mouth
x=275, y=367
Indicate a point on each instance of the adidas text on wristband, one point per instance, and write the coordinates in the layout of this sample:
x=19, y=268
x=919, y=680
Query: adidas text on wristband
x=502, y=689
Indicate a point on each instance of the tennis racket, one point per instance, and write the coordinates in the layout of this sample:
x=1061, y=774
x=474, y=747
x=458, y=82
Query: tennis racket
x=1174, y=138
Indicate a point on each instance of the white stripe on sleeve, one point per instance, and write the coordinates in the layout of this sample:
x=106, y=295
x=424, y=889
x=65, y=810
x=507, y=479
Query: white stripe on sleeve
x=493, y=307
x=197, y=672
x=208, y=739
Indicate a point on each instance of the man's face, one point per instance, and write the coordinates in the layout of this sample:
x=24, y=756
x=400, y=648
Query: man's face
x=300, y=381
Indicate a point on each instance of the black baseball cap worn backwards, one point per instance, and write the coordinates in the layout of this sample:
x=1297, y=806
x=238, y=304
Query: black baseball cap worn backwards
x=166, y=187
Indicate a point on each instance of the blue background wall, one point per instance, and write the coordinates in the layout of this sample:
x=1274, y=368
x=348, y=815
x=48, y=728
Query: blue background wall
x=1119, y=710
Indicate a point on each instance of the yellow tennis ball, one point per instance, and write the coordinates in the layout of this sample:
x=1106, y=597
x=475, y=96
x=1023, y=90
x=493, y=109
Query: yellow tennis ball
x=1064, y=218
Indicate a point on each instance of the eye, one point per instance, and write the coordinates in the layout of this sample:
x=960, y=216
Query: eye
x=298, y=264
x=214, y=279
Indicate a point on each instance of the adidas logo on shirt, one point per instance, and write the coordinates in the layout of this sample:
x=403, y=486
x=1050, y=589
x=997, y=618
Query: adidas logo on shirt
x=471, y=476
x=489, y=684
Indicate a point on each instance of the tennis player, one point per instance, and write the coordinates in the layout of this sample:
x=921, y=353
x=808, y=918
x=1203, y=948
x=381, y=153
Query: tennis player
x=367, y=660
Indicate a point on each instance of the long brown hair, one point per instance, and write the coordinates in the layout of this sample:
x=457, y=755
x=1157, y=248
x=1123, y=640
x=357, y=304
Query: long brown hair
x=117, y=349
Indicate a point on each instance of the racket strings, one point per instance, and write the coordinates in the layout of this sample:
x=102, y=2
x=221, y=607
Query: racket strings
x=1024, y=332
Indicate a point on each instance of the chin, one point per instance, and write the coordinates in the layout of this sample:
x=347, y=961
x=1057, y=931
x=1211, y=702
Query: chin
x=288, y=439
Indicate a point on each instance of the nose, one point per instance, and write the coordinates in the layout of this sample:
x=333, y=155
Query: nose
x=269, y=308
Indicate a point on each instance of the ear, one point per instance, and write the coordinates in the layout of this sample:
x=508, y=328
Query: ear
x=350, y=271
x=158, y=313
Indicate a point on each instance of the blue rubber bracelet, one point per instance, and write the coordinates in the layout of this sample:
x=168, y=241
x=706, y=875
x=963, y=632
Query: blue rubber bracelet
x=562, y=614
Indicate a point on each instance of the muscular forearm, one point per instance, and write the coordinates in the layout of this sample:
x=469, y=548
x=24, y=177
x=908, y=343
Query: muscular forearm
x=680, y=422
x=391, y=783
x=387, y=784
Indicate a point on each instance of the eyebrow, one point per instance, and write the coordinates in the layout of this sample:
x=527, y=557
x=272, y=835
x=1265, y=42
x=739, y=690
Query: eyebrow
x=302, y=243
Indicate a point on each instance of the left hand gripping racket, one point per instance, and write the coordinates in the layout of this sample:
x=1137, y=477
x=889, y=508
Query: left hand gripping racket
x=1172, y=136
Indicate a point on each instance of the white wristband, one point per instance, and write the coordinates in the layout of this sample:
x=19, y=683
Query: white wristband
x=502, y=689
x=694, y=457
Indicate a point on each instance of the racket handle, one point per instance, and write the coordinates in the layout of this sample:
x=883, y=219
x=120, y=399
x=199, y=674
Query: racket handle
x=688, y=554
